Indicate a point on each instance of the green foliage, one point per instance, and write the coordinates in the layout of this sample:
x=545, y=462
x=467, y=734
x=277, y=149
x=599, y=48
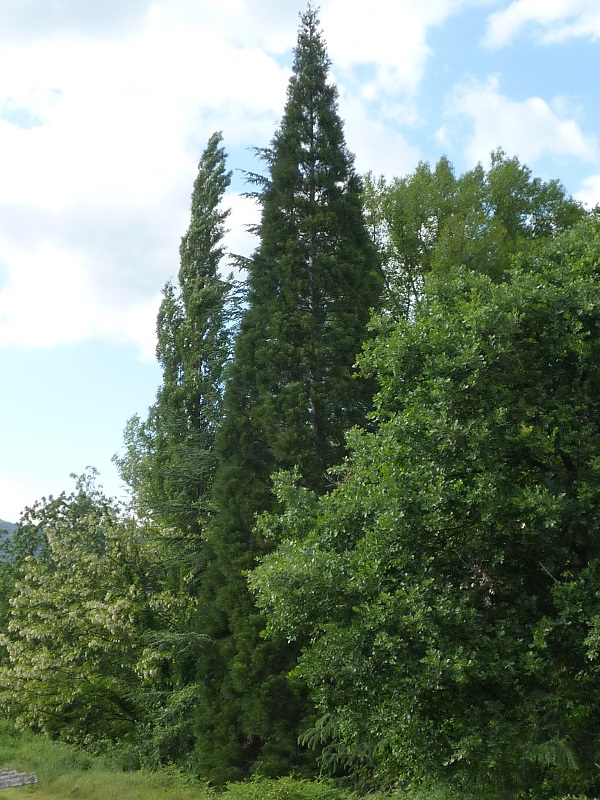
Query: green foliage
x=449, y=585
x=66, y=771
x=312, y=284
x=433, y=221
x=169, y=461
x=37, y=754
x=287, y=788
x=427, y=608
x=291, y=394
x=83, y=664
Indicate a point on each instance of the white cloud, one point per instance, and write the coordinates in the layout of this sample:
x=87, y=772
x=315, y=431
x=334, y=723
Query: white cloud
x=30, y=19
x=380, y=148
x=552, y=20
x=98, y=278
x=266, y=24
x=391, y=37
x=244, y=212
x=104, y=113
x=379, y=60
x=94, y=195
x=528, y=128
x=589, y=193
x=95, y=187
x=137, y=324
x=51, y=300
x=116, y=114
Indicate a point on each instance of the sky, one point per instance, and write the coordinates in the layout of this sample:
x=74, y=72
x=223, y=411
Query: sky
x=105, y=108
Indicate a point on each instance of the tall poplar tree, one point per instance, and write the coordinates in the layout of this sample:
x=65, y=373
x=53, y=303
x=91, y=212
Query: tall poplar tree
x=170, y=461
x=291, y=395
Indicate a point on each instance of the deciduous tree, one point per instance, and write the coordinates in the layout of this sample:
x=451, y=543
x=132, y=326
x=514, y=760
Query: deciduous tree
x=170, y=460
x=432, y=220
x=449, y=586
x=92, y=631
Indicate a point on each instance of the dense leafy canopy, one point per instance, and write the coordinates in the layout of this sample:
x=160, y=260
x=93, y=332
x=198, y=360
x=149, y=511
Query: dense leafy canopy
x=449, y=585
x=93, y=630
x=433, y=221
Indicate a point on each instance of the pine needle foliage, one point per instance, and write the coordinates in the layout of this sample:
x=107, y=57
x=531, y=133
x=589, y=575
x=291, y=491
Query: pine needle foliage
x=291, y=395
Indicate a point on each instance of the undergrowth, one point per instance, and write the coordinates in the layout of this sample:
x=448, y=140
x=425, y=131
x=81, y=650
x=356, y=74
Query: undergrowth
x=65, y=772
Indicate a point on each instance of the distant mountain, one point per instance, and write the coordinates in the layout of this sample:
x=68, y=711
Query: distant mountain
x=7, y=526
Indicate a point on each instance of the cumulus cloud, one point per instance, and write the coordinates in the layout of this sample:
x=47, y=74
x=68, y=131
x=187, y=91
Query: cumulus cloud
x=381, y=149
x=550, y=20
x=391, y=38
x=105, y=109
x=528, y=128
x=268, y=24
x=244, y=214
x=95, y=194
x=51, y=300
x=589, y=193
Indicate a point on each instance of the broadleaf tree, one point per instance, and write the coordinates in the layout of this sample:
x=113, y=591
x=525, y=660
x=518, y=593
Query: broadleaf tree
x=449, y=585
x=92, y=631
x=432, y=220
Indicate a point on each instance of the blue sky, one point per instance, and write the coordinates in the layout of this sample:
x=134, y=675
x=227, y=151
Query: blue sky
x=106, y=107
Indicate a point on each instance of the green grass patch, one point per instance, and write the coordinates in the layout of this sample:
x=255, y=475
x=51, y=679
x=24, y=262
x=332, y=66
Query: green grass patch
x=288, y=789
x=65, y=772
x=105, y=785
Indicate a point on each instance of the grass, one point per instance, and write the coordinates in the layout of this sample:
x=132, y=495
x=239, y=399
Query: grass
x=65, y=773
x=98, y=785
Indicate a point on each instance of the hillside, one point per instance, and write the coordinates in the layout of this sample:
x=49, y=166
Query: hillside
x=9, y=527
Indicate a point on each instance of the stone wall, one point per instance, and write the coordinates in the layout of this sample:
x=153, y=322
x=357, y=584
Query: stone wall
x=10, y=778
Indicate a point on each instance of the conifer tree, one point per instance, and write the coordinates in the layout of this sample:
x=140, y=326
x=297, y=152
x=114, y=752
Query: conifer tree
x=291, y=395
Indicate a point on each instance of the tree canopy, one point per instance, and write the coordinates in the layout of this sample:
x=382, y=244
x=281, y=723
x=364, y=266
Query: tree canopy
x=449, y=585
x=432, y=220
x=93, y=629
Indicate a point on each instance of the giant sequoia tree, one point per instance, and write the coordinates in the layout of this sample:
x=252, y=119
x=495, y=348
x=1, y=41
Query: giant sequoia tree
x=291, y=395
